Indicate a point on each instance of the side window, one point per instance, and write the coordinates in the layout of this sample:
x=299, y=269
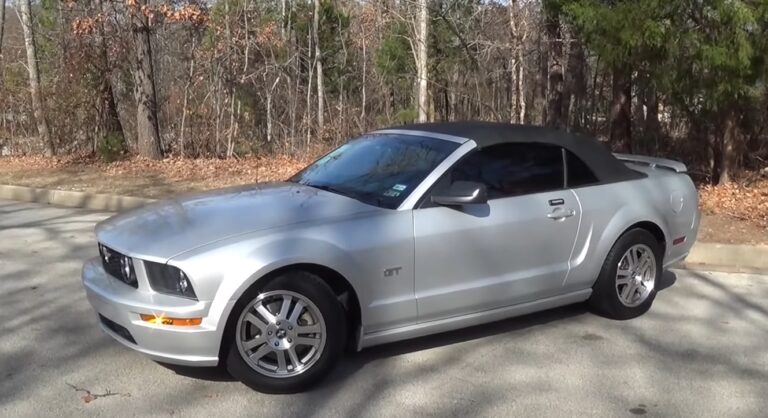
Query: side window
x=578, y=172
x=513, y=169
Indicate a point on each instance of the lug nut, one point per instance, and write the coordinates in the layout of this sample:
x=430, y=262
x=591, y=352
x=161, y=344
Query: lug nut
x=290, y=340
x=277, y=344
x=278, y=323
x=290, y=328
x=269, y=332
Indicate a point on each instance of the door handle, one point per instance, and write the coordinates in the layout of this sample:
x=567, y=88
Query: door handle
x=561, y=214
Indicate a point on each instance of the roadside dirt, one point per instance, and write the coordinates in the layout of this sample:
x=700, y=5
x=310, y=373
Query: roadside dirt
x=144, y=178
x=732, y=214
x=725, y=229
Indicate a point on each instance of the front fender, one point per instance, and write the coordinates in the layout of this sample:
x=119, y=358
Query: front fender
x=228, y=271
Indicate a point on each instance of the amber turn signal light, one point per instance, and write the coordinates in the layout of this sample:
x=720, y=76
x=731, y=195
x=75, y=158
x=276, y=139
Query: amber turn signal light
x=162, y=320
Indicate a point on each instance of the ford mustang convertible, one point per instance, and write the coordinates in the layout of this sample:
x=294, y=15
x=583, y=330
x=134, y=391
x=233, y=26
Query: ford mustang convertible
x=397, y=234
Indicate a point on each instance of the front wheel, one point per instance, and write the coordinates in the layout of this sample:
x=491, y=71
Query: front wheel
x=288, y=335
x=627, y=283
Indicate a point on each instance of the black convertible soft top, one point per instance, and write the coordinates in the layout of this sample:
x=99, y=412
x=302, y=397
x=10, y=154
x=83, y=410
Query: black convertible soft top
x=598, y=157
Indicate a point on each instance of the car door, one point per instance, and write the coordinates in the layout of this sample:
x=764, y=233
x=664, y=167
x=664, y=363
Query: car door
x=511, y=250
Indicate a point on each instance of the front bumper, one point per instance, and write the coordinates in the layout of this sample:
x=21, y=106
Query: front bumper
x=122, y=304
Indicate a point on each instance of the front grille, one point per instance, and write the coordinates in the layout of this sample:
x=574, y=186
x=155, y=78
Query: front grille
x=115, y=264
x=117, y=329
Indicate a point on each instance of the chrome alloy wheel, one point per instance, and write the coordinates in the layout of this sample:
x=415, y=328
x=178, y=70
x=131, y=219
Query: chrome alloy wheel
x=636, y=275
x=281, y=334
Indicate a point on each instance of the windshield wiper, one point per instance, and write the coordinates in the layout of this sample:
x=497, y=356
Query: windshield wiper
x=351, y=195
x=329, y=188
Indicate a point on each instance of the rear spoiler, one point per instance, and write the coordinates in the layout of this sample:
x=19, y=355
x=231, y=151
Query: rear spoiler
x=653, y=162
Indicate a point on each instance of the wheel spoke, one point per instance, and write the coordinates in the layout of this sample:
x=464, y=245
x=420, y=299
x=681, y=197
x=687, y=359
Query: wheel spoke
x=294, y=358
x=253, y=319
x=307, y=341
x=622, y=281
x=261, y=352
x=645, y=263
x=281, y=367
x=308, y=329
x=623, y=272
x=626, y=294
x=286, y=306
x=297, y=310
x=633, y=260
x=261, y=309
x=253, y=343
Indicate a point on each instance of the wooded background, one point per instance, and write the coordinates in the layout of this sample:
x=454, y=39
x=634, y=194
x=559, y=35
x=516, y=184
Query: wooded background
x=231, y=78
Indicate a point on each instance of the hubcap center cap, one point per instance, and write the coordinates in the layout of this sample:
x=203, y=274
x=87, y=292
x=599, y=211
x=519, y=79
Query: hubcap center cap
x=281, y=333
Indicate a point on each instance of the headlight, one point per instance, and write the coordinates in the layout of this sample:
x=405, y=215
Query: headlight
x=169, y=279
x=118, y=265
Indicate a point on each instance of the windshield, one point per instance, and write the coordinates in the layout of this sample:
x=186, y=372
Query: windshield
x=380, y=170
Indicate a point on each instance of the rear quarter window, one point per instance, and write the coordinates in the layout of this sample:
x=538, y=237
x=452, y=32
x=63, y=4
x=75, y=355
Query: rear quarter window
x=579, y=174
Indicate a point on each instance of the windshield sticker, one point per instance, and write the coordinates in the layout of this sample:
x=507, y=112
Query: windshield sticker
x=399, y=187
x=391, y=193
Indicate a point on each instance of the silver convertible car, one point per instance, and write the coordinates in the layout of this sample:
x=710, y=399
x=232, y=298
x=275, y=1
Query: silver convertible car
x=397, y=234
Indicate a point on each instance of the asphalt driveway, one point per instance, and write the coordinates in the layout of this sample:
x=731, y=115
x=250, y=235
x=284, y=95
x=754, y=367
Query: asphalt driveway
x=701, y=351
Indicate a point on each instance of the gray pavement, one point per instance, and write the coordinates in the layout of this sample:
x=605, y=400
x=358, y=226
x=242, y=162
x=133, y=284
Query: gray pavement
x=702, y=350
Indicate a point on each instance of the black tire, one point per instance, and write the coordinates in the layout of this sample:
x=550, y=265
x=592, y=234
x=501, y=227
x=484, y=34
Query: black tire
x=605, y=299
x=319, y=293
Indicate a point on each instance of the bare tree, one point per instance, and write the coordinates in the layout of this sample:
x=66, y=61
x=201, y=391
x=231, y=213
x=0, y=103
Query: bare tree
x=517, y=32
x=147, y=129
x=2, y=27
x=319, y=65
x=555, y=82
x=25, y=15
x=109, y=118
x=421, y=60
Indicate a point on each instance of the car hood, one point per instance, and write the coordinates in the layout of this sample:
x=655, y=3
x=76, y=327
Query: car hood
x=163, y=229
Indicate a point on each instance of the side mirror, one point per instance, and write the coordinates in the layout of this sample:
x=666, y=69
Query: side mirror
x=462, y=193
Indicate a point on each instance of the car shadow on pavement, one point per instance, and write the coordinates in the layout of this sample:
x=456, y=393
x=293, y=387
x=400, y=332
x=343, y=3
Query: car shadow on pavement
x=353, y=362
x=211, y=374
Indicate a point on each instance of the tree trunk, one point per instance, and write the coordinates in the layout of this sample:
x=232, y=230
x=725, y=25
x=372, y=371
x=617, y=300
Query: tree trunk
x=421, y=61
x=147, y=129
x=652, y=126
x=308, y=112
x=520, y=88
x=727, y=147
x=363, y=123
x=577, y=86
x=34, y=77
x=540, y=86
x=319, y=64
x=555, y=77
x=182, y=133
x=514, y=63
x=621, y=110
x=2, y=27
x=283, y=20
x=110, y=120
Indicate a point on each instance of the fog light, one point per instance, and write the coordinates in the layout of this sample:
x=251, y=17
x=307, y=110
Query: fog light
x=179, y=322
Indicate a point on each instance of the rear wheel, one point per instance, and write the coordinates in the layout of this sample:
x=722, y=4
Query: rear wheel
x=288, y=335
x=627, y=283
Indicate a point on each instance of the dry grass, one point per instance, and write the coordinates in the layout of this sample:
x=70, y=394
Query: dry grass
x=749, y=203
